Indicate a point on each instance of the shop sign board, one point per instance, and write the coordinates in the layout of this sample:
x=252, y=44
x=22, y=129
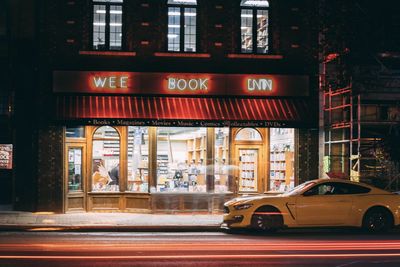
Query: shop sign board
x=135, y=83
x=6, y=155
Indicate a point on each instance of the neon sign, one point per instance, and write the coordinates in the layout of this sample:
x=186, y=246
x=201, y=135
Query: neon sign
x=110, y=82
x=259, y=84
x=187, y=84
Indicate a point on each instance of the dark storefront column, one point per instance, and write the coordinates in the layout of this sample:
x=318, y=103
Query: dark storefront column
x=50, y=192
x=307, y=163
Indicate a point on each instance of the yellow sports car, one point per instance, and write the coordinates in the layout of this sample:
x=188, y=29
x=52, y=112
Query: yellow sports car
x=316, y=203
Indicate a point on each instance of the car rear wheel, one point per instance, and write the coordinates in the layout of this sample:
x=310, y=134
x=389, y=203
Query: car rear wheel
x=267, y=222
x=377, y=220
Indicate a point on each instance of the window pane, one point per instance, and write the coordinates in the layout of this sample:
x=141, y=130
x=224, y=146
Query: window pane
x=248, y=134
x=248, y=170
x=247, y=30
x=174, y=25
x=105, y=156
x=109, y=1
x=255, y=3
x=223, y=179
x=115, y=27
x=74, y=169
x=138, y=159
x=99, y=27
x=181, y=154
x=281, y=159
x=75, y=132
x=183, y=2
x=190, y=29
x=262, y=31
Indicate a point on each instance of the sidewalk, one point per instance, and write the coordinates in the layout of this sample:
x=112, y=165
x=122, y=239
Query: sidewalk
x=14, y=220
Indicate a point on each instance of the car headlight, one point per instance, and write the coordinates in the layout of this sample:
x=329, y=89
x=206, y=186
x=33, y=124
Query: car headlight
x=243, y=206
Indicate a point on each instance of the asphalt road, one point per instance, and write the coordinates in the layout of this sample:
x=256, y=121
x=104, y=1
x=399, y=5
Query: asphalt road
x=295, y=248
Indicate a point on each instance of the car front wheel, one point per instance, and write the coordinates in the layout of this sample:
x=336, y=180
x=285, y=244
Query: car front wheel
x=377, y=220
x=265, y=222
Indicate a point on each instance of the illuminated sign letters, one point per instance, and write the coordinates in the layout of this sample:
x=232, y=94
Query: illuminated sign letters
x=187, y=84
x=259, y=84
x=112, y=82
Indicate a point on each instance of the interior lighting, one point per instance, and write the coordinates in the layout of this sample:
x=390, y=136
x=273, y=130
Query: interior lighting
x=190, y=14
x=256, y=3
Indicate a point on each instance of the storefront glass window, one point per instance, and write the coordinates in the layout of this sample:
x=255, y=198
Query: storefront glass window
x=75, y=132
x=138, y=159
x=248, y=134
x=181, y=157
x=105, y=159
x=222, y=168
x=74, y=169
x=281, y=159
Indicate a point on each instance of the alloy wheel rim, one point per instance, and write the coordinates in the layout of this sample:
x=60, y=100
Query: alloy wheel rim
x=377, y=221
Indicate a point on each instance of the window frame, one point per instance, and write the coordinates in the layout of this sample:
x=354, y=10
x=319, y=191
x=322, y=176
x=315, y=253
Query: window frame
x=182, y=7
x=254, y=10
x=107, y=26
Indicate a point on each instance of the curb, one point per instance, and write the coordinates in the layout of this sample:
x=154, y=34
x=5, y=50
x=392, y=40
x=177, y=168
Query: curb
x=111, y=228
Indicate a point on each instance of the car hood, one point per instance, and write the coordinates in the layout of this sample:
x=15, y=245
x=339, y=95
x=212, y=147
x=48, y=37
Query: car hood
x=245, y=199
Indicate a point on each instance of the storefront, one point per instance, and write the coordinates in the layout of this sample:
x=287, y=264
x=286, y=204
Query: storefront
x=177, y=141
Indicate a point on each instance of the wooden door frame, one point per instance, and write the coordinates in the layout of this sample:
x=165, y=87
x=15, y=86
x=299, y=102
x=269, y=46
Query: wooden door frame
x=263, y=146
x=84, y=178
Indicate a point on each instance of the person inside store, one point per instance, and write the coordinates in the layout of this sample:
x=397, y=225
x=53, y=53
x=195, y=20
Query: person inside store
x=114, y=174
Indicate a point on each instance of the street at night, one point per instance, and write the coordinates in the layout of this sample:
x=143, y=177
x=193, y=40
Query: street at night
x=287, y=248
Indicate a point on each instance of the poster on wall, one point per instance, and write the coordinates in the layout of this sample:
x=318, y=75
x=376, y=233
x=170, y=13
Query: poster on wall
x=6, y=156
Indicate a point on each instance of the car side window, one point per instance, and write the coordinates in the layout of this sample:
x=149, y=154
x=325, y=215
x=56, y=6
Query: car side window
x=322, y=189
x=348, y=189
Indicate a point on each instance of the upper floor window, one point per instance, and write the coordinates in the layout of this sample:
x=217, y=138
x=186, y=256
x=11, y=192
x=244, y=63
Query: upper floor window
x=182, y=25
x=254, y=26
x=107, y=24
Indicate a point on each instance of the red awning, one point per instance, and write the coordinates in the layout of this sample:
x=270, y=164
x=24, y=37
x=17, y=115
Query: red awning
x=183, y=108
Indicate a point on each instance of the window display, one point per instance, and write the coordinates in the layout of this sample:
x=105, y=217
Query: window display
x=248, y=170
x=281, y=159
x=74, y=169
x=221, y=156
x=138, y=159
x=181, y=154
x=105, y=159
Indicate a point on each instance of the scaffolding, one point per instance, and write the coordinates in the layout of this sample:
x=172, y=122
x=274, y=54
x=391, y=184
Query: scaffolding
x=357, y=121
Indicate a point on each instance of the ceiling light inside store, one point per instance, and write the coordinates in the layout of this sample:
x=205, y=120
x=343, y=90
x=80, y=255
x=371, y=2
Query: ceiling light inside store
x=173, y=26
x=186, y=1
x=172, y=36
x=190, y=14
x=256, y=3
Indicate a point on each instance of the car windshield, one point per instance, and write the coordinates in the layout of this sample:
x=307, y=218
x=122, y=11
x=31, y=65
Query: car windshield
x=298, y=189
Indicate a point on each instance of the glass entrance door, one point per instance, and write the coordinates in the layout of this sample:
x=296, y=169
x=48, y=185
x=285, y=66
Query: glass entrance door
x=248, y=170
x=75, y=177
